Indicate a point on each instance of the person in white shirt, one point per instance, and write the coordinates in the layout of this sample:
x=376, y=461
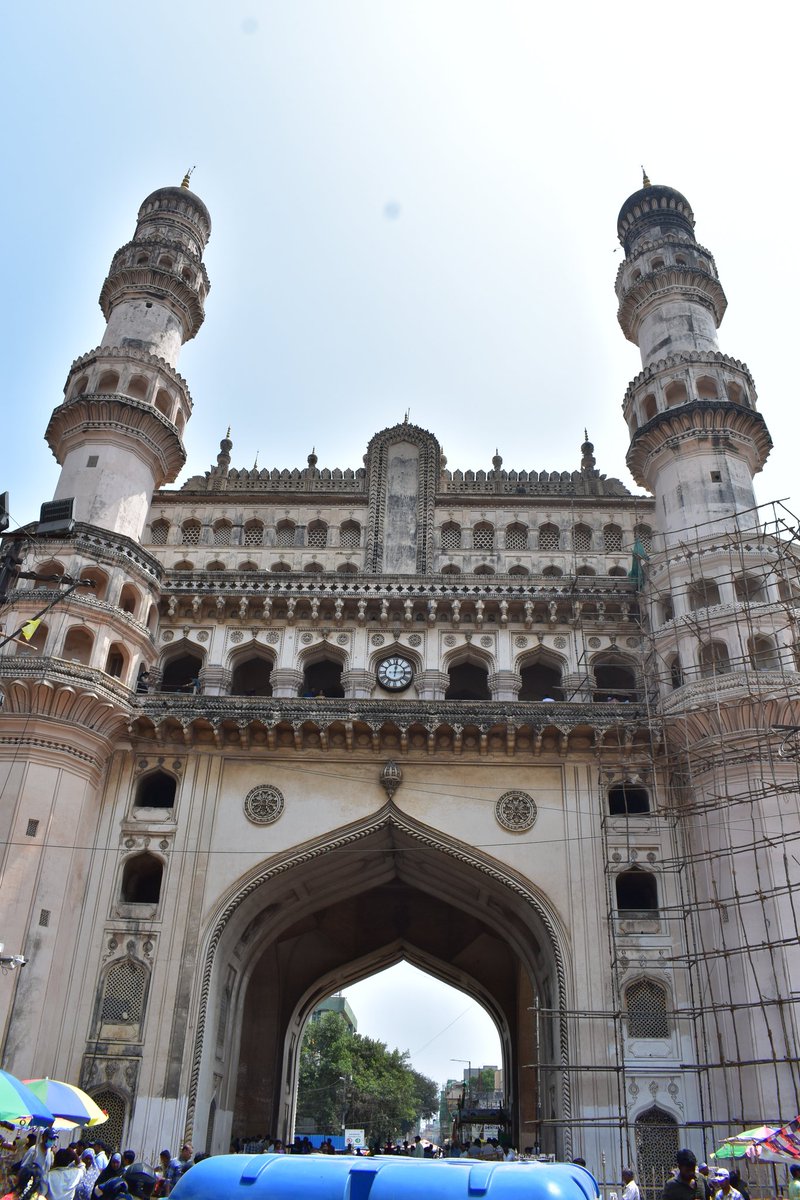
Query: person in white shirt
x=723, y=1188
x=630, y=1189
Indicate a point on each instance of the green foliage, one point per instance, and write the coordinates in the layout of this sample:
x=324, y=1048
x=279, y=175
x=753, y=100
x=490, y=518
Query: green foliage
x=347, y=1080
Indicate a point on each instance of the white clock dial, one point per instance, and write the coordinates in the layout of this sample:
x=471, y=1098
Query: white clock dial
x=395, y=673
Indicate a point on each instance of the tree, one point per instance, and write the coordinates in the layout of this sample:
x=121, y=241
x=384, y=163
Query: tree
x=349, y=1080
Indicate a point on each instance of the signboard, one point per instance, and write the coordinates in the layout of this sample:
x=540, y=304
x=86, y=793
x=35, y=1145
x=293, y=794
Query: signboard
x=491, y=1131
x=356, y=1136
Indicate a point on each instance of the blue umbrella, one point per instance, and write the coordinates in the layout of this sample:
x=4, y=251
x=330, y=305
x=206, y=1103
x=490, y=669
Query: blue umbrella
x=18, y=1104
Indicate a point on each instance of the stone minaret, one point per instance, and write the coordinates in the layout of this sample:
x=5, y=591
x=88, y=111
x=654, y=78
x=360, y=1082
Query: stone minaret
x=118, y=432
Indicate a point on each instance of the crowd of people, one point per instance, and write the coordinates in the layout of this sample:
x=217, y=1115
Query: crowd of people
x=34, y=1167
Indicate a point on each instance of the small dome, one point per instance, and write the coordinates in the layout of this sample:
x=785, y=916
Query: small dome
x=654, y=204
x=174, y=199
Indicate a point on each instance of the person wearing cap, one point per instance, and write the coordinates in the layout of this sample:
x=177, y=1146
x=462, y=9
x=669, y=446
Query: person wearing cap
x=684, y=1184
x=705, y=1178
x=724, y=1189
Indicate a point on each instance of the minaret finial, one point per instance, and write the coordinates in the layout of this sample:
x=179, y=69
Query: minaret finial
x=588, y=462
x=255, y=464
x=645, y=181
x=186, y=178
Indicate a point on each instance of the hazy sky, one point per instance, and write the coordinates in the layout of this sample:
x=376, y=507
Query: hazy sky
x=414, y=207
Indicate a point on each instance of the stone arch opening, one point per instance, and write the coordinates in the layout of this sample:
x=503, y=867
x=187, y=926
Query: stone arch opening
x=340, y=909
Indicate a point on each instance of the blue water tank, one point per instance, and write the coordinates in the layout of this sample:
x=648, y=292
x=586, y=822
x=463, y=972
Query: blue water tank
x=330, y=1177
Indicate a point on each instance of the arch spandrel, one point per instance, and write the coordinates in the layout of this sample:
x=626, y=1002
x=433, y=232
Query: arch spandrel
x=336, y=907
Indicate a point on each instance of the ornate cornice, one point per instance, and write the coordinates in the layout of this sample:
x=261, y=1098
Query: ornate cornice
x=95, y=609
x=57, y=687
x=131, y=354
x=699, y=418
x=104, y=546
x=165, y=285
x=686, y=358
x=687, y=283
x=120, y=416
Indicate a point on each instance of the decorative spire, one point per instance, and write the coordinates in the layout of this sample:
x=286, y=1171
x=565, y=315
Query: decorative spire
x=497, y=461
x=312, y=459
x=645, y=181
x=587, y=452
x=186, y=178
x=224, y=456
x=255, y=463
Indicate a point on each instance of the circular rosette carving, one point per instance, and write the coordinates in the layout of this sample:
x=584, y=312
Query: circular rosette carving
x=263, y=804
x=515, y=811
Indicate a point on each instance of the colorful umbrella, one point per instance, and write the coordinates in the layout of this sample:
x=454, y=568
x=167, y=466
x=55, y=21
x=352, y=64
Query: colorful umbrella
x=19, y=1104
x=67, y=1101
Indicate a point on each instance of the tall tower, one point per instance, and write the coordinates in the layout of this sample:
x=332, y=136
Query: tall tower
x=721, y=660
x=118, y=432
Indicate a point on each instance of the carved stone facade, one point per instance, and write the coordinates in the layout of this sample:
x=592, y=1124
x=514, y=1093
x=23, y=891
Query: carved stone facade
x=309, y=722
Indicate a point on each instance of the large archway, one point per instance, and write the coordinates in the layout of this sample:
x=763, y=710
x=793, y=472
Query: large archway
x=336, y=910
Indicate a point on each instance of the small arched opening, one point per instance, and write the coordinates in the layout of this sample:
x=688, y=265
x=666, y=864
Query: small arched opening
x=137, y=387
x=541, y=679
x=223, y=533
x=254, y=533
x=468, y=680
x=763, y=653
x=517, y=536
x=675, y=393
x=350, y=535
x=750, y=589
x=164, y=403
x=549, y=537
x=650, y=407
x=657, y=1142
x=181, y=672
x=78, y=645
x=323, y=678
x=49, y=573
x=612, y=539
x=33, y=644
x=483, y=536
x=116, y=660
x=129, y=599
x=285, y=533
x=317, y=535
x=158, y=532
x=108, y=382
x=628, y=800
x=637, y=892
x=714, y=660
x=581, y=538
x=156, y=789
x=646, y=1005
x=703, y=593
x=615, y=679
x=141, y=879
x=707, y=388
x=98, y=578
x=251, y=676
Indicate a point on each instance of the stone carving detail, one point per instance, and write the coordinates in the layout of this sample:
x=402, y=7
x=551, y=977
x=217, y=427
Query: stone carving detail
x=515, y=811
x=560, y=642
x=377, y=639
x=521, y=642
x=343, y=639
x=486, y=640
x=237, y=635
x=167, y=635
x=203, y=635
x=633, y=642
x=306, y=638
x=263, y=804
x=273, y=637
x=450, y=639
x=594, y=642
x=415, y=639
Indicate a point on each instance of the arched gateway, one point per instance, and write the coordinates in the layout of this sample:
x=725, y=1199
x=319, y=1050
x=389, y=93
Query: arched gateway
x=336, y=910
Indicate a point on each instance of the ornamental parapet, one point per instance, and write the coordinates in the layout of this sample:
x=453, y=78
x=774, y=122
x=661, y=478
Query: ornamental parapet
x=475, y=728
x=721, y=419
x=731, y=687
x=102, y=545
x=681, y=282
x=688, y=358
x=64, y=673
x=124, y=356
x=164, y=284
x=23, y=598
x=120, y=416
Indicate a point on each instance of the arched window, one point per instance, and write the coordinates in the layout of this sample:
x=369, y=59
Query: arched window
x=350, y=535
x=617, y=572
x=190, y=533
x=628, y=800
x=650, y=407
x=583, y=569
x=657, y=1144
x=750, y=589
x=78, y=645
x=484, y=569
x=451, y=569
x=114, y=1105
x=81, y=386
x=98, y=578
x=518, y=570
x=763, y=653
x=129, y=599
x=637, y=891
x=158, y=532
x=703, y=593
x=216, y=565
x=646, y=1003
x=468, y=681
x=137, y=387
x=183, y=565
x=45, y=569
x=581, y=538
x=317, y=535
x=736, y=394
x=541, y=680
x=323, y=678
x=552, y=572
x=483, y=536
x=313, y=568
x=117, y=660
x=614, y=679
x=35, y=643
x=180, y=421
x=254, y=533
x=166, y=262
x=181, y=673
x=280, y=568
x=549, y=537
x=612, y=539
x=347, y=568
x=156, y=789
x=675, y=672
x=643, y=534
x=517, y=537
x=707, y=388
x=251, y=676
x=108, y=382
x=285, y=533
x=656, y=264
x=714, y=660
x=164, y=403
x=451, y=536
x=248, y=567
x=124, y=991
x=141, y=879
x=675, y=393
x=223, y=531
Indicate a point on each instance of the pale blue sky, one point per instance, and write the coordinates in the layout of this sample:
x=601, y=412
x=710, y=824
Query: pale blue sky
x=414, y=206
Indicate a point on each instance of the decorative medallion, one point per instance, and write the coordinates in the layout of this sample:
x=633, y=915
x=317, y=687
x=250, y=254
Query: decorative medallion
x=237, y=635
x=521, y=642
x=486, y=640
x=515, y=811
x=273, y=637
x=415, y=639
x=167, y=635
x=202, y=635
x=450, y=639
x=560, y=642
x=263, y=804
x=594, y=642
x=343, y=639
x=651, y=858
x=306, y=638
x=377, y=639
x=633, y=642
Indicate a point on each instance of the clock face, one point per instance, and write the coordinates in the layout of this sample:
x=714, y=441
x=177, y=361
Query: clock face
x=395, y=673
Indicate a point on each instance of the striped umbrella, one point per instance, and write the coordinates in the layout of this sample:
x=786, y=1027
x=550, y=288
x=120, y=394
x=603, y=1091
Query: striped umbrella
x=20, y=1104
x=67, y=1101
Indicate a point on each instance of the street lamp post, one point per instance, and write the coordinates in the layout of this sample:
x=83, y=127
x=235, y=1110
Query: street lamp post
x=468, y=1061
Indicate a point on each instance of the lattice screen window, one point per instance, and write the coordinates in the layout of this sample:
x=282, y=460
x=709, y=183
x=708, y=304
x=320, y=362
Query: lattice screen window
x=222, y=534
x=317, y=535
x=549, y=537
x=190, y=533
x=656, y=1147
x=451, y=536
x=350, y=535
x=647, y=1010
x=581, y=538
x=644, y=535
x=158, y=533
x=114, y=1127
x=123, y=994
x=516, y=537
x=483, y=537
x=612, y=539
x=254, y=534
x=284, y=534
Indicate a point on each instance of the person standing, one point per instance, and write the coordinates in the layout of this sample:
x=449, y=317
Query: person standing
x=630, y=1188
x=724, y=1188
x=685, y=1183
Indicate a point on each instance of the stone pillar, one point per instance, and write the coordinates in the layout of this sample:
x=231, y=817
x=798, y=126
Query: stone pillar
x=286, y=681
x=358, y=685
x=432, y=685
x=505, y=685
x=215, y=680
x=578, y=687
